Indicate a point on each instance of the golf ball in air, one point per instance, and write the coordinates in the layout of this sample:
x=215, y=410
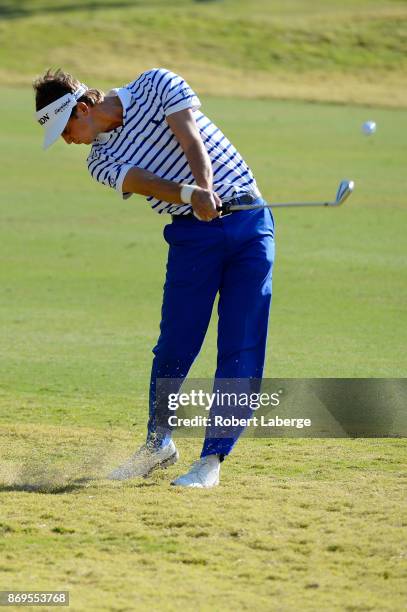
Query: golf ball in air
x=369, y=127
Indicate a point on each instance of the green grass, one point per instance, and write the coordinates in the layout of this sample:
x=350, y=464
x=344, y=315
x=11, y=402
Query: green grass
x=349, y=51
x=296, y=524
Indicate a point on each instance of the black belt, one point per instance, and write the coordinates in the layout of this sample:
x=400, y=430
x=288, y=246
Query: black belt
x=245, y=198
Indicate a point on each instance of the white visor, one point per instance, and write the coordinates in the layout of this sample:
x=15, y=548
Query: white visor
x=55, y=116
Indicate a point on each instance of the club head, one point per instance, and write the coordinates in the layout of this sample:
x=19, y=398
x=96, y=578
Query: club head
x=344, y=190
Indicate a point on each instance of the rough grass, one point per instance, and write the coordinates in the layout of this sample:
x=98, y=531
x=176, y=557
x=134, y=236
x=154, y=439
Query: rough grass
x=313, y=524
x=349, y=51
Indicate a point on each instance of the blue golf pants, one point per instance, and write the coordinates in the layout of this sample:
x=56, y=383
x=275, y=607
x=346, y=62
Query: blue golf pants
x=232, y=256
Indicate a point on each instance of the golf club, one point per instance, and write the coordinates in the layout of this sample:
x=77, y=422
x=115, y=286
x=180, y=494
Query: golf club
x=344, y=190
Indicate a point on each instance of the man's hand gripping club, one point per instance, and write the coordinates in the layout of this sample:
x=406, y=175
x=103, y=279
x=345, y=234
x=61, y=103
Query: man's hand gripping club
x=204, y=202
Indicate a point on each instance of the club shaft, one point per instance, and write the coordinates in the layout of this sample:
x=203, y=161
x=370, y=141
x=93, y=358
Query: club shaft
x=279, y=205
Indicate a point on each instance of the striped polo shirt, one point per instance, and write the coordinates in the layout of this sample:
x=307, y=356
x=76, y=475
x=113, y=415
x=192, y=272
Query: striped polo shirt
x=146, y=141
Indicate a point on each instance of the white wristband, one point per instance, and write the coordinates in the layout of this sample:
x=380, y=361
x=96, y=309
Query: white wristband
x=186, y=193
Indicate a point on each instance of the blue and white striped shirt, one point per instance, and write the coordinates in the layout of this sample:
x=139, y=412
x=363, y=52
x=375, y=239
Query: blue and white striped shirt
x=146, y=141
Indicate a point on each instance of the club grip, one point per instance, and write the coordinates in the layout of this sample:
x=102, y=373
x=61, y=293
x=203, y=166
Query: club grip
x=224, y=208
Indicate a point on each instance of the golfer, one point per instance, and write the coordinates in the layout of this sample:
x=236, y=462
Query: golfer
x=151, y=138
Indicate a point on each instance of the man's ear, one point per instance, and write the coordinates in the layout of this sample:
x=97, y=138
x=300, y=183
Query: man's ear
x=82, y=108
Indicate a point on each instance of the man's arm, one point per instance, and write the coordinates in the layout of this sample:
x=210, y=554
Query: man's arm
x=185, y=129
x=204, y=201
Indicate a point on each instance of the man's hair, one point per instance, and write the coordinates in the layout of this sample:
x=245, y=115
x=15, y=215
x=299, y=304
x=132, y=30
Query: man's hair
x=55, y=84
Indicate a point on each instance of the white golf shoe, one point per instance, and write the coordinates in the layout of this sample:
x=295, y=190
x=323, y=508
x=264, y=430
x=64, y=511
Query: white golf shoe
x=146, y=460
x=203, y=474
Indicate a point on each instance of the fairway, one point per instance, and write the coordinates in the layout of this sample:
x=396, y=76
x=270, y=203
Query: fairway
x=84, y=270
x=296, y=524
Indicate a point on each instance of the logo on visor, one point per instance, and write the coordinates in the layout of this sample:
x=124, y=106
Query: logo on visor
x=43, y=119
x=61, y=108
